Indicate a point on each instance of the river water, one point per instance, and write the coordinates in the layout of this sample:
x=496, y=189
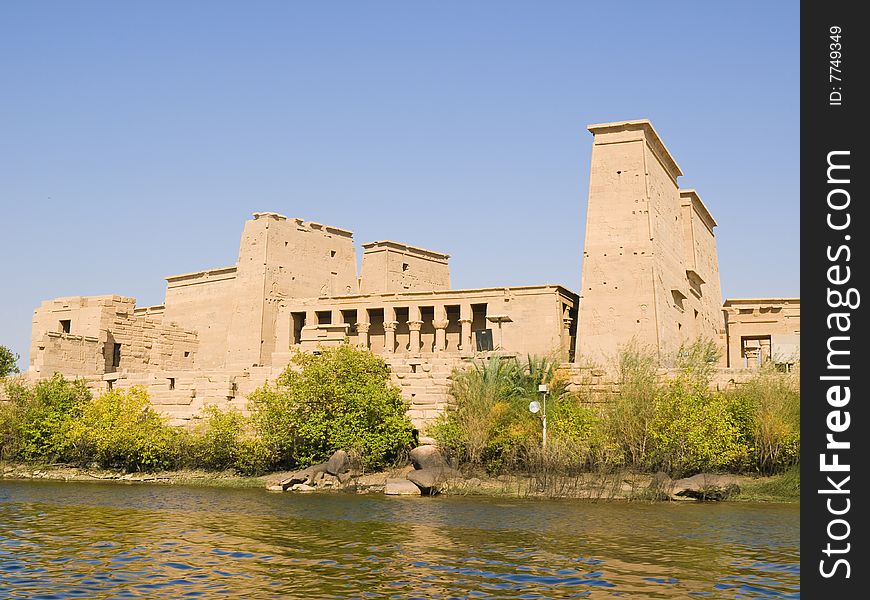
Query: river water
x=95, y=540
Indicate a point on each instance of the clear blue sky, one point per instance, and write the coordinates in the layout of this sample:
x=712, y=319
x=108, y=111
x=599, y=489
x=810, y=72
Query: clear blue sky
x=136, y=138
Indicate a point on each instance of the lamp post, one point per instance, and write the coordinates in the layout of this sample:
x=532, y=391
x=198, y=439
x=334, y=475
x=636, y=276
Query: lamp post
x=545, y=389
x=535, y=406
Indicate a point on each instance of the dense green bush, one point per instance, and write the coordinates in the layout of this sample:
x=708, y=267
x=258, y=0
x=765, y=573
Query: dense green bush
x=678, y=425
x=629, y=415
x=692, y=431
x=767, y=409
x=217, y=439
x=489, y=422
x=36, y=421
x=339, y=398
x=342, y=398
x=120, y=429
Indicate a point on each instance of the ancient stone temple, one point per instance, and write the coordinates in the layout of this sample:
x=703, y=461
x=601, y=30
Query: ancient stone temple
x=650, y=274
x=224, y=331
x=650, y=270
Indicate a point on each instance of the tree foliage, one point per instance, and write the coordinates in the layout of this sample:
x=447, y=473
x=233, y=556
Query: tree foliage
x=121, y=429
x=8, y=362
x=340, y=398
x=36, y=422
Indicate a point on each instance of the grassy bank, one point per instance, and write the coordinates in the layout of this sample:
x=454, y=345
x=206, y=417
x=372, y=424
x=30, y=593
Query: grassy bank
x=342, y=399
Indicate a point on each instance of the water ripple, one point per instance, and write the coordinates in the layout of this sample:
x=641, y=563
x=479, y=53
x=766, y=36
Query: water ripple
x=98, y=541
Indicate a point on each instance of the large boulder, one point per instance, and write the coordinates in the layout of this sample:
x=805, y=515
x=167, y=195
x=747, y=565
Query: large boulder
x=431, y=480
x=305, y=476
x=705, y=486
x=338, y=463
x=427, y=457
x=401, y=487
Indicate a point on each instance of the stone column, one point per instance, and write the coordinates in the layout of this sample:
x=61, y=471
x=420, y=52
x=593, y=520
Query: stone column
x=414, y=324
x=390, y=336
x=466, y=345
x=362, y=337
x=414, y=346
x=310, y=318
x=440, y=323
x=566, y=336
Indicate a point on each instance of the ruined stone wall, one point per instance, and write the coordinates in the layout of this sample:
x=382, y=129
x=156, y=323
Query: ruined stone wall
x=149, y=345
x=391, y=267
x=83, y=315
x=88, y=319
x=203, y=302
x=283, y=258
x=103, y=330
x=69, y=354
x=600, y=385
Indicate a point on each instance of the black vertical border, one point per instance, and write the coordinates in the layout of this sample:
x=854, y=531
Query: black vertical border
x=826, y=127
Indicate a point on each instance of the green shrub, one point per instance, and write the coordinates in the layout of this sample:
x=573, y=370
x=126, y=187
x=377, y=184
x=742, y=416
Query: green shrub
x=577, y=430
x=692, y=431
x=253, y=456
x=479, y=395
x=216, y=440
x=489, y=422
x=35, y=423
x=768, y=410
x=630, y=414
x=697, y=362
x=120, y=429
x=340, y=398
x=678, y=426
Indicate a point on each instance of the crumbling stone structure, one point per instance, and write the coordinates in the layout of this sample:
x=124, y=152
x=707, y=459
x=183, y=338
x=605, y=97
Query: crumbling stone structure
x=650, y=274
x=222, y=332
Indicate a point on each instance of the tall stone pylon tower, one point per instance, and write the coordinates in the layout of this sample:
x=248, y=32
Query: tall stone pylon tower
x=650, y=268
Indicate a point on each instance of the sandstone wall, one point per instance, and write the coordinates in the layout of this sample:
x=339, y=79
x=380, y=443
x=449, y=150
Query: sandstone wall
x=617, y=299
x=283, y=258
x=69, y=354
x=391, y=267
x=203, y=302
x=666, y=241
x=650, y=268
x=766, y=323
x=703, y=317
x=148, y=344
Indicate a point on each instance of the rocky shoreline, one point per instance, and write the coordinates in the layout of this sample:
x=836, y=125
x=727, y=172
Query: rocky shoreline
x=428, y=474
